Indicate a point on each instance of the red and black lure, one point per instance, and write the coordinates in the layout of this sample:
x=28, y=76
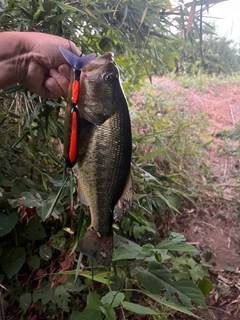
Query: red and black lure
x=71, y=124
x=71, y=121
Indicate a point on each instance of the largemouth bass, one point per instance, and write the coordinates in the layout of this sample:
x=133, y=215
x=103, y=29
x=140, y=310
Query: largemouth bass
x=105, y=147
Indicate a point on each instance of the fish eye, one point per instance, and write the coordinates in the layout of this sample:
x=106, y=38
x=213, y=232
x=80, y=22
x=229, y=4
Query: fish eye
x=108, y=76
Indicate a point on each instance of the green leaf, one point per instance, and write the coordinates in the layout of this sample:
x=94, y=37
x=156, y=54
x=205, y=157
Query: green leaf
x=61, y=297
x=25, y=301
x=7, y=222
x=158, y=252
x=43, y=294
x=197, y=271
x=51, y=209
x=172, y=304
x=102, y=277
x=46, y=205
x=127, y=249
x=113, y=298
x=188, y=265
x=73, y=286
x=108, y=311
x=29, y=200
x=64, y=6
x=48, y=296
x=75, y=315
x=45, y=252
x=12, y=260
x=58, y=240
x=171, y=245
x=89, y=314
x=205, y=286
x=150, y=155
x=151, y=282
x=175, y=201
x=159, y=278
x=34, y=262
x=133, y=307
x=37, y=14
x=93, y=300
x=187, y=290
x=229, y=269
x=34, y=229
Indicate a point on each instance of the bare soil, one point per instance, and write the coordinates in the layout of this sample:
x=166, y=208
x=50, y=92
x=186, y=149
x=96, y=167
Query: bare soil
x=213, y=225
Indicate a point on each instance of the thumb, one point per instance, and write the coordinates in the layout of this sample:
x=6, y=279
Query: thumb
x=56, y=84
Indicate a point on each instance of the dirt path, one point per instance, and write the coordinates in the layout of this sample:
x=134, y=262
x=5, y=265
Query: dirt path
x=215, y=228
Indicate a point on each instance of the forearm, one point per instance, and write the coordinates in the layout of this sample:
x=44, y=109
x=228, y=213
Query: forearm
x=13, y=56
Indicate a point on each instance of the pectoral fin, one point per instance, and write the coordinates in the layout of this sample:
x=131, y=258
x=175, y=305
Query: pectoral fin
x=125, y=202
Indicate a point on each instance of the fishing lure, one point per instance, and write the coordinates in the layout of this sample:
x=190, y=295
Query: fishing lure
x=71, y=121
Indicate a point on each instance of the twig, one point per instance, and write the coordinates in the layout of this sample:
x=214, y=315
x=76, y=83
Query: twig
x=3, y=287
x=231, y=112
x=225, y=168
x=193, y=243
x=208, y=224
x=222, y=310
x=235, y=301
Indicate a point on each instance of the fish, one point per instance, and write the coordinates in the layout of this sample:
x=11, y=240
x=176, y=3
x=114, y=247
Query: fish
x=104, y=152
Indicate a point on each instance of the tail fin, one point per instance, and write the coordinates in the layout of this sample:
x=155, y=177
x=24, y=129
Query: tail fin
x=98, y=247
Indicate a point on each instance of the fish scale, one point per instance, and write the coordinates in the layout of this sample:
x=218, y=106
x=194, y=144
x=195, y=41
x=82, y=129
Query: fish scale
x=94, y=176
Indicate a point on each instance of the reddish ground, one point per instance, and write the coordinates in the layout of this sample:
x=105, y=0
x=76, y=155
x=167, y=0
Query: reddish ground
x=213, y=225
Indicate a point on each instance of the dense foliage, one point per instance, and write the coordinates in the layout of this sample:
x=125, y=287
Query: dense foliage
x=220, y=55
x=42, y=271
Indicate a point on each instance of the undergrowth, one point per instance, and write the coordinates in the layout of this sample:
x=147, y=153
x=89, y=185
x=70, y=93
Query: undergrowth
x=202, y=81
x=42, y=270
x=170, y=137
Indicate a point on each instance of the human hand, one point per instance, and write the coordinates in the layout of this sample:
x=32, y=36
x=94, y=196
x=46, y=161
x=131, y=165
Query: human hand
x=47, y=72
x=38, y=63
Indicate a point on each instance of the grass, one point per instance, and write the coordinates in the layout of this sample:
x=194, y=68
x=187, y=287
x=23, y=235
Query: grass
x=180, y=134
x=202, y=81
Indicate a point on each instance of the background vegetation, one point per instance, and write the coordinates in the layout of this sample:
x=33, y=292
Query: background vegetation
x=219, y=55
x=154, y=273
